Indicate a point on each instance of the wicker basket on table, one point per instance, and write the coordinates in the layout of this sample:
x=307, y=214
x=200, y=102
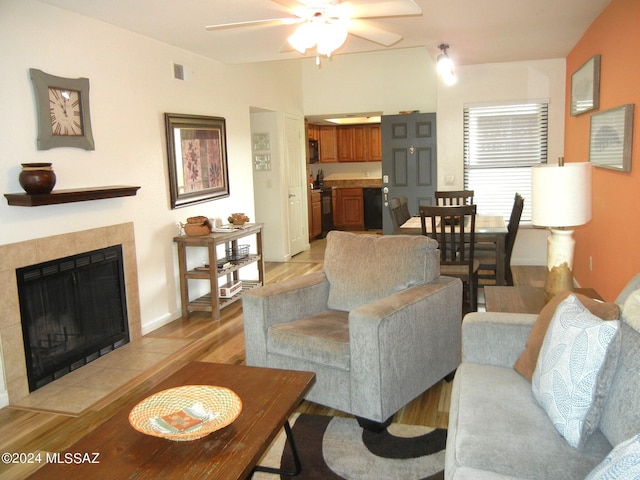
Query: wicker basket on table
x=164, y=407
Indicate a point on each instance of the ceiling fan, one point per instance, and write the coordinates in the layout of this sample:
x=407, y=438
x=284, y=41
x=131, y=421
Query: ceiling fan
x=325, y=24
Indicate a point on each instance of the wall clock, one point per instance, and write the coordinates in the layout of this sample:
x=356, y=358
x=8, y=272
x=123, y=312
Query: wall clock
x=63, y=111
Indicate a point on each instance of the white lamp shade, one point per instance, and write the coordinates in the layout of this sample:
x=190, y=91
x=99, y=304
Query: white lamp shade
x=561, y=194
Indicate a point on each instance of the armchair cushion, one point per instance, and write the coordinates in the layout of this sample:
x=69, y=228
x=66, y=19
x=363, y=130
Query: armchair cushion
x=322, y=338
x=364, y=268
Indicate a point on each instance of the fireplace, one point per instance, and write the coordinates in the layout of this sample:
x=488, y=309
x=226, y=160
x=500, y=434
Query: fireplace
x=73, y=311
x=14, y=385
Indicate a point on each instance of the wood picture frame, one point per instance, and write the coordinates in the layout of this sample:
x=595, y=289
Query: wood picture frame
x=585, y=87
x=62, y=105
x=611, y=138
x=197, y=158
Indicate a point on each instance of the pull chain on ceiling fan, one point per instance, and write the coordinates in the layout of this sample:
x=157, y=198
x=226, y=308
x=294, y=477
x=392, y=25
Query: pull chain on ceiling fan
x=326, y=24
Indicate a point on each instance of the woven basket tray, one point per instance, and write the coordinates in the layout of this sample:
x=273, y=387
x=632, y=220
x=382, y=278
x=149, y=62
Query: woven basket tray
x=186, y=413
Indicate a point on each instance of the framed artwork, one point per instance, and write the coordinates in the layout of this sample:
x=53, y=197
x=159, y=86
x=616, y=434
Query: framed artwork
x=585, y=87
x=262, y=161
x=611, y=138
x=63, y=111
x=261, y=141
x=197, y=157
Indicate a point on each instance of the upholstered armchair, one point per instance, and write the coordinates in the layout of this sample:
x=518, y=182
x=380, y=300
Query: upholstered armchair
x=378, y=325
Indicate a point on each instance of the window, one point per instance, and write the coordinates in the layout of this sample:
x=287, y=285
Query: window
x=501, y=143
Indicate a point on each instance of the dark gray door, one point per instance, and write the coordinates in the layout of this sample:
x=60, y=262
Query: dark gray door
x=409, y=161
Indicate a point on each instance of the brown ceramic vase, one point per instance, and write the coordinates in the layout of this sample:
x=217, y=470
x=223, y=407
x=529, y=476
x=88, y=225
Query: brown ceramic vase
x=37, y=178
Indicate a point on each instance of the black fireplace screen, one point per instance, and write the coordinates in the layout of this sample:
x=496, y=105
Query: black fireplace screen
x=73, y=311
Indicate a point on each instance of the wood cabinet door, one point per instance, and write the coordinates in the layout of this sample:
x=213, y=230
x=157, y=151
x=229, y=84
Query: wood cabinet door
x=328, y=144
x=345, y=144
x=373, y=140
x=349, y=209
x=360, y=144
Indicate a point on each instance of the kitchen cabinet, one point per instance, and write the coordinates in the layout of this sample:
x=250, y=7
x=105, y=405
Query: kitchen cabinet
x=328, y=144
x=348, y=143
x=313, y=132
x=349, y=211
x=315, y=227
x=373, y=139
x=345, y=140
x=231, y=262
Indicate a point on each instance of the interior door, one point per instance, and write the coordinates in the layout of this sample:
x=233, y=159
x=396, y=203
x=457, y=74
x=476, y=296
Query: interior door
x=296, y=184
x=409, y=161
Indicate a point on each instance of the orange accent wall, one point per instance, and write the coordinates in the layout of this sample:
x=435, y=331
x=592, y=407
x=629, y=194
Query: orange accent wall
x=612, y=238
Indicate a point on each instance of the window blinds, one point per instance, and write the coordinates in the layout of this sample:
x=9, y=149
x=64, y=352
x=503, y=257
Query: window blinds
x=501, y=143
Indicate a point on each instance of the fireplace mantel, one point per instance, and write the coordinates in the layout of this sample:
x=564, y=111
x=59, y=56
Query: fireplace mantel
x=68, y=196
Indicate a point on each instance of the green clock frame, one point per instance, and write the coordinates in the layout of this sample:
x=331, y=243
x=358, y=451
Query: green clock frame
x=47, y=139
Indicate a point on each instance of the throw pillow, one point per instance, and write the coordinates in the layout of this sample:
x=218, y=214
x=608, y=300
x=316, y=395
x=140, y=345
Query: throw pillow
x=569, y=381
x=526, y=364
x=631, y=310
x=622, y=463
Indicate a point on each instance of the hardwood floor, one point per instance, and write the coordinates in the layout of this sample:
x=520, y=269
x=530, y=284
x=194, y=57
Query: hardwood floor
x=25, y=431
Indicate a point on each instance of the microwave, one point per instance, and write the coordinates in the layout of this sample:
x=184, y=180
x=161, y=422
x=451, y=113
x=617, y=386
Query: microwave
x=314, y=151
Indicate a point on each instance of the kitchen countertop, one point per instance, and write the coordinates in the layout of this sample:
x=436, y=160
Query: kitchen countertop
x=354, y=183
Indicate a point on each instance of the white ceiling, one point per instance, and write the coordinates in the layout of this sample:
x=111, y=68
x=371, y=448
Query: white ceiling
x=478, y=31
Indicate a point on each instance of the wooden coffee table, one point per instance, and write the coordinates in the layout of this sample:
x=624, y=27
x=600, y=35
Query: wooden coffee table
x=269, y=397
x=522, y=299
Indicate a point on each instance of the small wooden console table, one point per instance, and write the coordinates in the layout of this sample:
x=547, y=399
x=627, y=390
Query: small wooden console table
x=231, y=269
x=524, y=299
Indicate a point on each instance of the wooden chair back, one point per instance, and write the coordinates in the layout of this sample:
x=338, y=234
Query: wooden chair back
x=454, y=197
x=453, y=227
x=399, y=211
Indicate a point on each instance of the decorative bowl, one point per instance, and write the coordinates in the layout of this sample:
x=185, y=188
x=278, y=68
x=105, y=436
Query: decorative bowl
x=186, y=413
x=238, y=218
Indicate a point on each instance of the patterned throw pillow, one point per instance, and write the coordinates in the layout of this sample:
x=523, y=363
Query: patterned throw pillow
x=572, y=376
x=622, y=463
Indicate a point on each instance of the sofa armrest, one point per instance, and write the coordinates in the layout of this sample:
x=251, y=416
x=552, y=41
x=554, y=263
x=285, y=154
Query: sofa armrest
x=280, y=302
x=403, y=344
x=495, y=338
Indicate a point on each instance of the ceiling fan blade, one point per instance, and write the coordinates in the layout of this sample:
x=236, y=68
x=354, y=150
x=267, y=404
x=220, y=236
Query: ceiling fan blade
x=365, y=30
x=384, y=8
x=267, y=21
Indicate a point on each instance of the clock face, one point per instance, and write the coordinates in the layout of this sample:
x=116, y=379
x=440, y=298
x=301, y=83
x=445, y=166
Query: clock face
x=66, y=112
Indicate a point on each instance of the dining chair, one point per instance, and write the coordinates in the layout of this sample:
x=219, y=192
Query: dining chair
x=486, y=254
x=399, y=209
x=454, y=197
x=453, y=227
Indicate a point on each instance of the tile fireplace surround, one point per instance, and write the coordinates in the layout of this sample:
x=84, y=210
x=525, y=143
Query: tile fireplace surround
x=30, y=252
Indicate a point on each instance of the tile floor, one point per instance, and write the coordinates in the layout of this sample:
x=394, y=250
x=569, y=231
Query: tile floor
x=80, y=389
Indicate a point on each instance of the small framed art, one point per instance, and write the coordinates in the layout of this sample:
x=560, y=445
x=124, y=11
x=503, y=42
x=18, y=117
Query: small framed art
x=611, y=138
x=585, y=87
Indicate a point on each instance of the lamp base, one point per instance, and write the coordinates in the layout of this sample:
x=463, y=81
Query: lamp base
x=559, y=279
x=560, y=245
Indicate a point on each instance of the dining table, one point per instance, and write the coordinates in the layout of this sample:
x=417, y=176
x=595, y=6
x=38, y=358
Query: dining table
x=490, y=229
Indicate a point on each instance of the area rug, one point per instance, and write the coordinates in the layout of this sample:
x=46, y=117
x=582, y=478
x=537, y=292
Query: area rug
x=338, y=448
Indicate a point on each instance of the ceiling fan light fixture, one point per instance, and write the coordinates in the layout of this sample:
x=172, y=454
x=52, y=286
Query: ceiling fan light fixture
x=331, y=36
x=327, y=35
x=303, y=37
x=445, y=66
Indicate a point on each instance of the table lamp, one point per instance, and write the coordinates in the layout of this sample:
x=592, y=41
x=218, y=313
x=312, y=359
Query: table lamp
x=561, y=200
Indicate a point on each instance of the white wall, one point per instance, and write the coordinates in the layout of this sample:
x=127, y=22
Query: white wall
x=131, y=86
x=385, y=81
x=504, y=82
